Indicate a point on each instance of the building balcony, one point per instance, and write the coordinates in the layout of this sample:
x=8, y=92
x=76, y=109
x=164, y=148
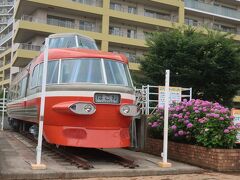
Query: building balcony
x=29, y=26
x=235, y=32
x=67, y=6
x=24, y=54
x=97, y=3
x=212, y=9
x=127, y=34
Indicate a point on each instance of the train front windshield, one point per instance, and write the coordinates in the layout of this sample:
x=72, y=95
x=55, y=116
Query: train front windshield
x=72, y=42
x=96, y=71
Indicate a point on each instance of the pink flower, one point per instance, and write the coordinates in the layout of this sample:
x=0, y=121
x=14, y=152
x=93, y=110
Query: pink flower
x=226, y=131
x=189, y=125
x=155, y=124
x=186, y=122
x=180, y=133
x=197, y=111
x=231, y=117
x=174, y=127
x=221, y=118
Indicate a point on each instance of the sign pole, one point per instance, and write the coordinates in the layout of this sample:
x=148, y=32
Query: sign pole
x=38, y=165
x=3, y=108
x=166, y=164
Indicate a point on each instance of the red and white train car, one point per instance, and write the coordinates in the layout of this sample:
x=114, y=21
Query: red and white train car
x=89, y=96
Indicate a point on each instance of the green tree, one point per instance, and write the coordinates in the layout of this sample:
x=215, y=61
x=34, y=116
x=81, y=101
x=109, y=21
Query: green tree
x=209, y=63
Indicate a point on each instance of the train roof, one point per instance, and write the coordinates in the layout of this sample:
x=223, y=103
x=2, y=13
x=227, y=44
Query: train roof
x=68, y=34
x=80, y=53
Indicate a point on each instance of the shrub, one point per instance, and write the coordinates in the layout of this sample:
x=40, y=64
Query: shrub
x=198, y=122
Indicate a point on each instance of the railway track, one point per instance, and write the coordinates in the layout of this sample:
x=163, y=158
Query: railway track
x=79, y=156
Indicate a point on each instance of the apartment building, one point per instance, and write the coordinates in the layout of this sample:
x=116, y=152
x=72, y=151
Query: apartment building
x=119, y=26
x=222, y=15
x=6, y=27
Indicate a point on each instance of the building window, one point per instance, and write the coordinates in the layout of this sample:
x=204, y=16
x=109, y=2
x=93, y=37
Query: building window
x=60, y=21
x=116, y=6
x=224, y=28
x=87, y=26
x=131, y=33
x=132, y=10
x=191, y=22
x=115, y=31
x=157, y=15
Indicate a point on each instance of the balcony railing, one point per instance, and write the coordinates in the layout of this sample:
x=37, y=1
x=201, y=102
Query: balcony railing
x=173, y=18
x=211, y=26
x=97, y=3
x=222, y=11
x=29, y=47
x=54, y=22
x=126, y=34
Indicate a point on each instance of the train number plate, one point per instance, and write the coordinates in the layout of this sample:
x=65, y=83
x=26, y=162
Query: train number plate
x=107, y=98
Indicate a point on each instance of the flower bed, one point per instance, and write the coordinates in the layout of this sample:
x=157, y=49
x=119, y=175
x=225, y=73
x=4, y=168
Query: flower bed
x=202, y=133
x=196, y=122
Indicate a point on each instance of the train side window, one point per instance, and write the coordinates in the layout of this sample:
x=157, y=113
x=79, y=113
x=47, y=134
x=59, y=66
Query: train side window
x=52, y=72
x=40, y=73
x=23, y=87
x=34, y=79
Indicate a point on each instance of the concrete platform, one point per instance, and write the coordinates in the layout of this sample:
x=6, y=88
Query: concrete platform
x=17, y=154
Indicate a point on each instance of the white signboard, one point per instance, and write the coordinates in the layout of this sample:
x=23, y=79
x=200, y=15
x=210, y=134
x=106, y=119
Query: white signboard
x=175, y=95
x=236, y=114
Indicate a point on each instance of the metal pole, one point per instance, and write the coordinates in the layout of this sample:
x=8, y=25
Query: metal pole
x=42, y=106
x=148, y=99
x=165, y=131
x=3, y=108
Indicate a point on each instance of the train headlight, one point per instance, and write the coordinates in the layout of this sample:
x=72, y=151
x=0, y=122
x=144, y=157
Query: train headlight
x=88, y=108
x=125, y=109
x=83, y=108
x=129, y=110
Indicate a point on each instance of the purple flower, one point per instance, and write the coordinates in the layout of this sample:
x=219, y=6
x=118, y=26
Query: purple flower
x=204, y=109
x=195, y=108
x=174, y=127
x=231, y=117
x=180, y=133
x=226, y=131
x=197, y=111
x=221, y=118
x=216, y=115
x=187, y=113
x=231, y=127
x=155, y=124
x=189, y=125
x=186, y=122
